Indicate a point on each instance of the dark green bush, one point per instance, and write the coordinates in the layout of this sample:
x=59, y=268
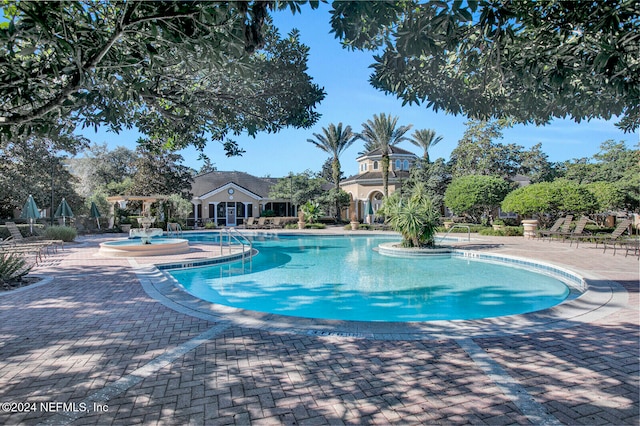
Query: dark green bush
x=507, y=231
x=63, y=233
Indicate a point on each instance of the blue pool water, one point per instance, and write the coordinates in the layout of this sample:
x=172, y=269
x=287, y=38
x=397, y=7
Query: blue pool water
x=344, y=278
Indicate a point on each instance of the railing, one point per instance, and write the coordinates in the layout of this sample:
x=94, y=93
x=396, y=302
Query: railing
x=458, y=226
x=233, y=234
x=174, y=230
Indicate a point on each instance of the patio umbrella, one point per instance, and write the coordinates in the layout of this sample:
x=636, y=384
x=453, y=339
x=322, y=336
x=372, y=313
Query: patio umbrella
x=64, y=211
x=95, y=213
x=30, y=211
x=368, y=209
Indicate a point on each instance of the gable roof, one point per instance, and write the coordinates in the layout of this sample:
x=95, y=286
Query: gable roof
x=208, y=182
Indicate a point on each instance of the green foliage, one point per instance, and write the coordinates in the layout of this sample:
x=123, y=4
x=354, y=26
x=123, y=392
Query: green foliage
x=479, y=153
x=475, y=195
x=608, y=195
x=414, y=217
x=312, y=211
x=614, y=163
x=26, y=168
x=509, y=231
x=178, y=206
x=181, y=70
x=12, y=267
x=64, y=233
x=488, y=59
x=267, y=213
x=425, y=139
x=334, y=141
x=435, y=177
x=550, y=198
x=334, y=199
x=158, y=172
x=299, y=188
x=381, y=133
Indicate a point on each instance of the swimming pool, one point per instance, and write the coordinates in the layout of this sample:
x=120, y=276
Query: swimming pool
x=343, y=278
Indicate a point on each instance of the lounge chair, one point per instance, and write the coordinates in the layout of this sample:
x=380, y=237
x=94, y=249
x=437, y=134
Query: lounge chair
x=9, y=246
x=629, y=246
x=276, y=223
x=561, y=225
x=250, y=223
x=605, y=239
x=261, y=223
x=18, y=239
x=577, y=231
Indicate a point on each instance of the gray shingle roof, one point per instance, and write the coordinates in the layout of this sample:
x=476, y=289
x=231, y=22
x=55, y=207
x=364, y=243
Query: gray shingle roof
x=208, y=182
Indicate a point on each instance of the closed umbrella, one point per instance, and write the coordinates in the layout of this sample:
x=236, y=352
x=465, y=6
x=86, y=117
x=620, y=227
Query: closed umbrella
x=64, y=211
x=30, y=211
x=95, y=213
x=368, y=210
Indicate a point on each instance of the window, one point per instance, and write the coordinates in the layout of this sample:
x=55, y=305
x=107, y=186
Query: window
x=375, y=165
x=406, y=165
x=398, y=164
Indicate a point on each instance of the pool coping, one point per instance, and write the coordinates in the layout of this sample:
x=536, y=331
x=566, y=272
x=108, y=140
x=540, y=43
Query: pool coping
x=601, y=298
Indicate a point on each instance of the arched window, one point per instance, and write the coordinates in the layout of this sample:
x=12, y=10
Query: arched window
x=406, y=164
x=375, y=165
x=398, y=165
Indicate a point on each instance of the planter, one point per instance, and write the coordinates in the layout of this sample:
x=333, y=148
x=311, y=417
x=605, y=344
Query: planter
x=448, y=225
x=497, y=227
x=354, y=225
x=301, y=225
x=530, y=226
x=125, y=228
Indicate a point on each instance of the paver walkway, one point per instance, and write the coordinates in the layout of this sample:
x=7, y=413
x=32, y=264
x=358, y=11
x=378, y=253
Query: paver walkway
x=91, y=346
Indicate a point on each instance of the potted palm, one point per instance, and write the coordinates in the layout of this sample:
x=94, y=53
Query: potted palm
x=415, y=218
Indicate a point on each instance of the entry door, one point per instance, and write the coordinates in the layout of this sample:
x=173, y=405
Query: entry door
x=231, y=216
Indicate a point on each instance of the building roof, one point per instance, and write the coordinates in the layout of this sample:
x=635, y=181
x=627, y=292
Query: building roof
x=393, y=150
x=207, y=182
x=376, y=176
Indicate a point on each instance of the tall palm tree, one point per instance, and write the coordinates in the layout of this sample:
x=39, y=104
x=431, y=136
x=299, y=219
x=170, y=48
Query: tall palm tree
x=335, y=141
x=382, y=133
x=425, y=139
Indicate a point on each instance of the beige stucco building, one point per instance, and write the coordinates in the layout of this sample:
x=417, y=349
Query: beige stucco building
x=230, y=198
x=366, y=188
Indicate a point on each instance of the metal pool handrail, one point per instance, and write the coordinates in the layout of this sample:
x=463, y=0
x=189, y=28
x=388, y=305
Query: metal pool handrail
x=232, y=233
x=458, y=226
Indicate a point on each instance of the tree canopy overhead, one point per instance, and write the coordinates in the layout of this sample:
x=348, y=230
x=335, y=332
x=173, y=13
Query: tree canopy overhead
x=527, y=60
x=183, y=70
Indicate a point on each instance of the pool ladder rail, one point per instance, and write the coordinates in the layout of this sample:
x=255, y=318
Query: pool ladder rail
x=238, y=238
x=174, y=230
x=457, y=226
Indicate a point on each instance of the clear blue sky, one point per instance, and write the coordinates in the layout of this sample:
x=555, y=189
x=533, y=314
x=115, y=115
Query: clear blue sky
x=351, y=100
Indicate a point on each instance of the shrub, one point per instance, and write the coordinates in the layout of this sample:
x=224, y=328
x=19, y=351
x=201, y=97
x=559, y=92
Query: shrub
x=509, y=231
x=554, y=198
x=63, y=233
x=12, y=267
x=315, y=226
x=415, y=217
x=475, y=195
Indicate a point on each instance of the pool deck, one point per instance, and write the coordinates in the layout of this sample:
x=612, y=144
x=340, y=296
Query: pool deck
x=111, y=341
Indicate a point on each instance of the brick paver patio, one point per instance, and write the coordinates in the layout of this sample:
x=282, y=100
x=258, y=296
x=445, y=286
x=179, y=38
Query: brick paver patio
x=99, y=341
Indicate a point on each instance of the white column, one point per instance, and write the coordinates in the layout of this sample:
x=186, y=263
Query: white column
x=215, y=212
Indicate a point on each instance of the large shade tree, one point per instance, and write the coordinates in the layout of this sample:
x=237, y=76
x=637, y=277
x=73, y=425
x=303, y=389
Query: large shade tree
x=334, y=140
x=380, y=133
x=529, y=60
x=186, y=71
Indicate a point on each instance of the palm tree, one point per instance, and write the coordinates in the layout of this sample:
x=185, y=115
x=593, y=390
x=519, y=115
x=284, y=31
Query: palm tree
x=381, y=133
x=335, y=141
x=425, y=139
